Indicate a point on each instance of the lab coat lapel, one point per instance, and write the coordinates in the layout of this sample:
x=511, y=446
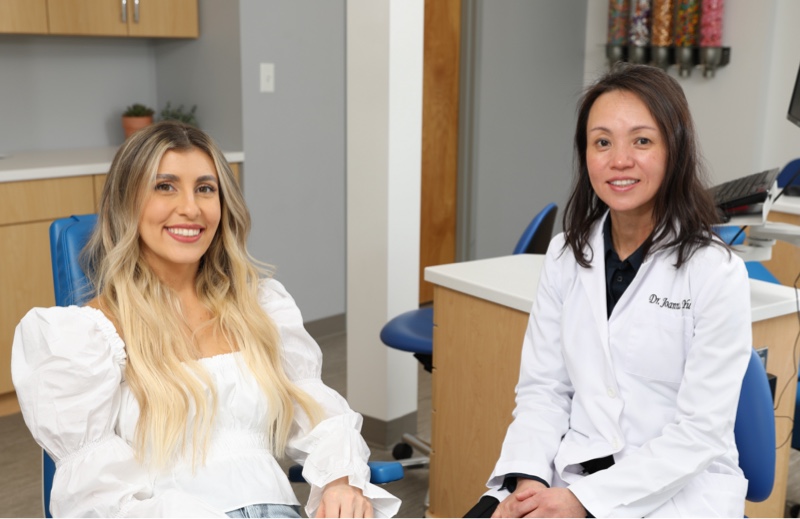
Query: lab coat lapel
x=593, y=281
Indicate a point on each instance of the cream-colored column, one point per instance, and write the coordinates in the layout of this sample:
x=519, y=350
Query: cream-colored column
x=384, y=140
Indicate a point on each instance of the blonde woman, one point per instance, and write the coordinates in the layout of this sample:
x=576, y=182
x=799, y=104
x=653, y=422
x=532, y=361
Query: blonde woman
x=175, y=388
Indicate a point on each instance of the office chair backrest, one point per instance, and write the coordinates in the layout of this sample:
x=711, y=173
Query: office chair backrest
x=67, y=239
x=789, y=171
x=755, y=431
x=537, y=235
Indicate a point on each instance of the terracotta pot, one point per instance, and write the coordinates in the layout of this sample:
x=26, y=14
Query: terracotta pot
x=131, y=124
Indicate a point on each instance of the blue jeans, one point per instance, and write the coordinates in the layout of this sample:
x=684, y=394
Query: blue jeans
x=265, y=510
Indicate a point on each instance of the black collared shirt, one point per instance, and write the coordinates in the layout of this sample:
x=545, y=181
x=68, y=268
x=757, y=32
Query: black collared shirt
x=619, y=274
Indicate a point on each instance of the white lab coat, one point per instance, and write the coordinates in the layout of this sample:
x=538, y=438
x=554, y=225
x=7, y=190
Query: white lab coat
x=656, y=384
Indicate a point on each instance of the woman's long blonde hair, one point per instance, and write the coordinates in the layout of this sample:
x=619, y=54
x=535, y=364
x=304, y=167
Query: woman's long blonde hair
x=162, y=367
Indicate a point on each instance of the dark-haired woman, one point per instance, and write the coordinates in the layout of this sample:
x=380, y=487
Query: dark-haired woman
x=640, y=332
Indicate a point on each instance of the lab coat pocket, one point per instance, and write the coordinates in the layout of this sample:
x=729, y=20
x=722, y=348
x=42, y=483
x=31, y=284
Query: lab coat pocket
x=712, y=495
x=657, y=345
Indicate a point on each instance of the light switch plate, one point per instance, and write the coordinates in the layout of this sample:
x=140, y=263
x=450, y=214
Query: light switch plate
x=267, y=77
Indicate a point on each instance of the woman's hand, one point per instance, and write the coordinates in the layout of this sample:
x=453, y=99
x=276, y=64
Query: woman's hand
x=551, y=502
x=513, y=506
x=339, y=499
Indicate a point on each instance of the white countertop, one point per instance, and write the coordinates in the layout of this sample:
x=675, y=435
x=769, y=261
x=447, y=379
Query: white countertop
x=509, y=280
x=787, y=204
x=35, y=165
x=512, y=281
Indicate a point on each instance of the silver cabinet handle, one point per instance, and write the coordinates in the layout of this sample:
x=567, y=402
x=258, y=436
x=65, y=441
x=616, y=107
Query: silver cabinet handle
x=124, y=11
x=135, y=11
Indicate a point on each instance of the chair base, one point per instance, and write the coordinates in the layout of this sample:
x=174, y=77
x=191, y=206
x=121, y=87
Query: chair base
x=403, y=451
x=420, y=462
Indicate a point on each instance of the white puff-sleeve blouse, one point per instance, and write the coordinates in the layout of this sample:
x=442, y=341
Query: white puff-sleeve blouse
x=68, y=368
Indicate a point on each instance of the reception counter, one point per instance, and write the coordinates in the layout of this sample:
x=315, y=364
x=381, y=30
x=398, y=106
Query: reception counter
x=481, y=311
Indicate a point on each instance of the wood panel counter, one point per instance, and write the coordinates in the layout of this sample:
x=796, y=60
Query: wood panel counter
x=36, y=188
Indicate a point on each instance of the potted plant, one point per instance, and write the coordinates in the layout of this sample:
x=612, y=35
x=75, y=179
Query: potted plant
x=135, y=117
x=178, y=114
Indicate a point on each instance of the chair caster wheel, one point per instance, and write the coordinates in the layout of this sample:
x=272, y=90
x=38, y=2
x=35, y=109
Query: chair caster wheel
x=402, y=451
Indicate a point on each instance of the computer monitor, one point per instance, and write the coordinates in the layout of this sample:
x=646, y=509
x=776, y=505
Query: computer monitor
x=789, y=179
x=794, y=105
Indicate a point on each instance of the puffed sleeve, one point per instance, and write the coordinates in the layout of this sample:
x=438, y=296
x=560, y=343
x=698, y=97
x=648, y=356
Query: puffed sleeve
x=67, y=366
x=333, y=448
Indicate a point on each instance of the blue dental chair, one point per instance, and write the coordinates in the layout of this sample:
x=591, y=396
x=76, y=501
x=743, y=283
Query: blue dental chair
x=67, y=238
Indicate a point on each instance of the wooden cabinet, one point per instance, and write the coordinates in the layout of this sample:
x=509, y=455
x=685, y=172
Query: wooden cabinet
x=23, y=16
x=136, y=18
x=26, y=277
x=142, y=18
x=157, y=18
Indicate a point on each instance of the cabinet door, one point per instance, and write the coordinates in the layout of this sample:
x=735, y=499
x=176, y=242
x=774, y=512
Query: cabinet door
x=23, y=16
x=26, y=277
x=87, y=17
x=27, y=281
x=157, y=18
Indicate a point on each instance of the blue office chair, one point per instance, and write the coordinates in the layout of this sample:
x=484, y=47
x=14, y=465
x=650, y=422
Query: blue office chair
x=68, y=236
x=412, y=331
x=788, y=172
x=755, y=431
x=537, y=235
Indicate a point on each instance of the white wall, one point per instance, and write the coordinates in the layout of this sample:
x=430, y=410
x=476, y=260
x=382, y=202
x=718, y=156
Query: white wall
x=781, y=138
x=528, y=72
x=740, y=114
x=206, y=72
x=59, y=92
x=294, y=145
x=384, y=146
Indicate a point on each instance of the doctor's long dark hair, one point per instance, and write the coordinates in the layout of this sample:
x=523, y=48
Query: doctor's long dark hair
x=683, y=212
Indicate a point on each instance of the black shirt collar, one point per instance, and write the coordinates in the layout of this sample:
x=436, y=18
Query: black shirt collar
x=636, y=259
x=619, y=274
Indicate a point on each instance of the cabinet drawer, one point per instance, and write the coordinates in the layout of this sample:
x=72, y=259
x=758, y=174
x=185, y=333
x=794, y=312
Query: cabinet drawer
x=37, y=200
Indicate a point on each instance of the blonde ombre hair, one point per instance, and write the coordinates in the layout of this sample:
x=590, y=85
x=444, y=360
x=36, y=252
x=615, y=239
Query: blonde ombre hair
x=162, y=367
